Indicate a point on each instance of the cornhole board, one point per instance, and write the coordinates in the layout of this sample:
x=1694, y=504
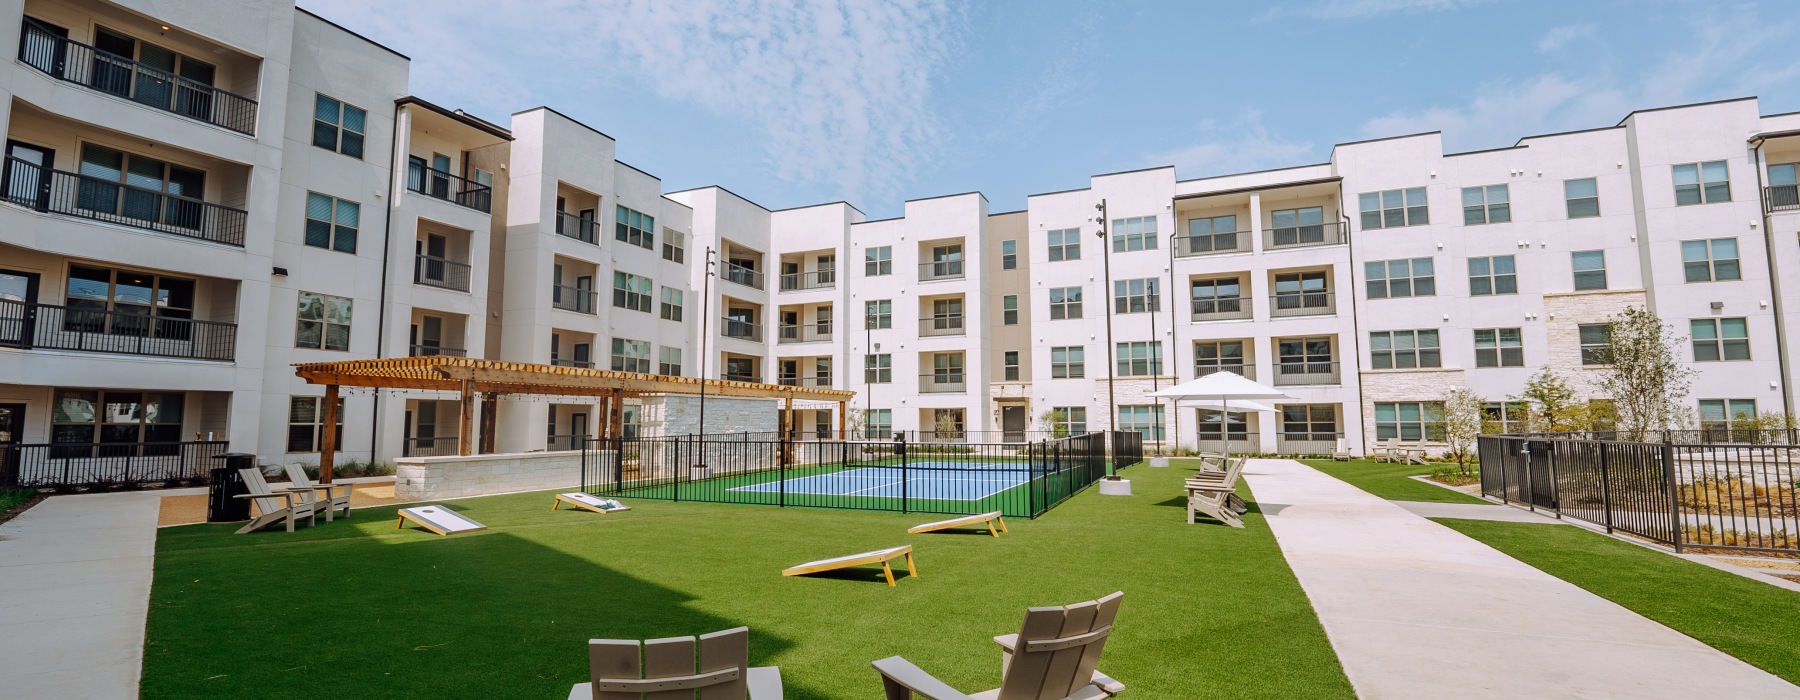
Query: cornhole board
x=989, y=518
x=438, y=519
x=588, y=501
x=881, y=556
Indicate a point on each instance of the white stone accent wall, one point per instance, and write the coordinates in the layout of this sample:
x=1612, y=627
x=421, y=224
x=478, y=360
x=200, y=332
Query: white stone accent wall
x=1565, y=313
x=432, y=478
x=1386, y=386
x=671, y=416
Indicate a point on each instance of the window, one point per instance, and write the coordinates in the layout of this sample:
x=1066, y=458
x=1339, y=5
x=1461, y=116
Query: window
x=1009, y=310
x=946, y=261
x=1135, y=233
x=324, y=322
x=1069, y=420
x=1217, y=296
x=1136, y=296
x=331, y=223
x=1702, y=183
x=103, y=166
x=946, y=369
x=878, y=424
x=668, y=361
x=1493, y=275
x=1784, y=175
x=1065, y=302
x=1394, y=208
x=306, y=417
x=878, y=369
x=1596, y=343
x=1065, y=244
x=1303, y=226
x=1722, y=417
x=1212, y=429
x=1145, y=420
x=1582, y=197
x=1393, y=279
x=1068, y=362
x=338, y=126
x=1485, y=205
x=1296, y=291
x=1590, y=269
x=630, y=355
x=631, y=292
x=1139, y=359
x=123, y=302
x=1499, y=347
x=1303, y=356
x=1212, y=234
x=674, y=245
x=634, y=227
x=878, y=261
x=1412, y=421
x=1404, y=349
x=1219, y=356
x=1504, y=417
x=822, y=371
x=1010, y=361
x=1715, y=260
x=1310, y=422
x=878, y=314
x=671, y=304
x=83, y=417
x=1009, y=255
x=946, y=315
x=1720, y=339
x=827, y=269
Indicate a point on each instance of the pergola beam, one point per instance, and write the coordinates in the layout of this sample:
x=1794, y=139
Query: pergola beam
x=459, y=374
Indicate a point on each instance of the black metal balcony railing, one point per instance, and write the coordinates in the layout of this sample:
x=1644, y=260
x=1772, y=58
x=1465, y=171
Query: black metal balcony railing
x=1308, y=303
x=440, y=272
x=739, y=328
x=438, y=184
x=1300, y=236
x=577, y=227
x=113, y=74
x=428, y=350
x=576, y=299
x=564, y=443
x=952, y=382
x=804, y=333
x=571, y=362
x=741, y=377
x=1247, y=371
x=429, y=447
x=107, y=465
x=941, y=270
x=744, y=276
x=28, y=325
x=60, y=192
x=819, y=381
x=1780, y=197
x=1210, y=243
x=1220, y=308
x=942, y=325
x=798, y=281
x=1305, y=373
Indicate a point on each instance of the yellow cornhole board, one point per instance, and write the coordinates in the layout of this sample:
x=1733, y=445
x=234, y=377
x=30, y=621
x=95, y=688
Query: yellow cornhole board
x=438, y=519
x=588, y=501
x=882, y=556
x=989, y=518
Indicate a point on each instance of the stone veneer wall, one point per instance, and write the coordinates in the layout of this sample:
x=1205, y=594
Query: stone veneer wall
x=1564, y=313
x=675, y=415
x=432, y=478
x=1387, y=386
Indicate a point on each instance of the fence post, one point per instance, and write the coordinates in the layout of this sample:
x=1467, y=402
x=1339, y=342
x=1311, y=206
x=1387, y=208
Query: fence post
x=1605, y=490
x=679, y=468
x=584, y=467
x=1030, y=481
x=1555, y=485
x=1668, y=460
x=901, y=439
x=781, y=497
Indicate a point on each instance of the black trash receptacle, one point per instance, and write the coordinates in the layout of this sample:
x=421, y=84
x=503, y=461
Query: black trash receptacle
x=223, y=504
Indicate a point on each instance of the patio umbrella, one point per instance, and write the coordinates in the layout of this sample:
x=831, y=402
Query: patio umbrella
x=1223, y=388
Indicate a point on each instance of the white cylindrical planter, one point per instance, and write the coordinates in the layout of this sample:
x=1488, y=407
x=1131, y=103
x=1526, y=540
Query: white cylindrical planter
x=1115, y=487
x=1159, y=461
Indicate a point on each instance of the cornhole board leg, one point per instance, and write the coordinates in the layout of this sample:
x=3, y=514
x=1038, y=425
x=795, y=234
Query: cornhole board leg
x=888, y=571
x=911, y=570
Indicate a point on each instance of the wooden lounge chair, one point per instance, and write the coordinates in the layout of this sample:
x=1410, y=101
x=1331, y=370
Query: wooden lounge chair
x=670, y=668
x=1385, y=450
x=1212, y=497
x=274, y=506
x=1342, y=454
x=1411, y=454
x=1225, y=480
x=1051, y=658
x=336, y=496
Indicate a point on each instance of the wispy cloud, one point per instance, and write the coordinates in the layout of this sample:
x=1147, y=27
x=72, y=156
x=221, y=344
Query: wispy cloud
x=1559, y=37
x=1242, y=144
x=1360, y=9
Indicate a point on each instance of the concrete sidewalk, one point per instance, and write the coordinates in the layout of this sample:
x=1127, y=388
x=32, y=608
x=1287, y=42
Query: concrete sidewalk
x=1417, y=610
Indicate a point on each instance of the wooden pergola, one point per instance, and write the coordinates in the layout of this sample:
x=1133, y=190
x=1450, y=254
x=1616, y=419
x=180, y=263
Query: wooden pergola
x=491, y=379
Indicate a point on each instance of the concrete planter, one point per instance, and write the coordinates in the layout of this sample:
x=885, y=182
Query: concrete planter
x=1115, y=487
x=1159, y=461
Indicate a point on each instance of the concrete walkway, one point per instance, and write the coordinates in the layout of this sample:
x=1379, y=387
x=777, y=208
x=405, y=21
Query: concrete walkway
x=1417, y=610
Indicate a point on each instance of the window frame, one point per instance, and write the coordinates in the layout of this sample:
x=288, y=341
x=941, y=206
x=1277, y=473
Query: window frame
x=1137, y=296
x=1068, y=362
x=1487, y=211
x=1068, y=307
x=878, y=368
x=1714, y=267
x=634, y=227
x=625, y=355
x=878, y=314
x=1594, y=354
x=1577, y=271
x=1427, y=416
x=1144, y=419
x=1412, y=281
x=674, y=247
x=1722, y=345
x=668, y=361
x=324, y=322
x=339, y=126
x=1009, y=310
x=1496, y=351
x=1009, y=255
x=1418, y=354
x=1064, y=244
x=1009, y=362
x=335, y=228
x=1133, y=233
x=632, y=292
x=1399, y=214
x=1138, y=358
x=672, y=310
x=1570, y=200
x=1491, y=278
x=1703, y=190
x=315, y=431
x=878, y=261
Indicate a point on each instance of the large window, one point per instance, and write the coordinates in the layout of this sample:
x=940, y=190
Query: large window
x=946, y=261
x=1297, y=291
x=635, y=227
x=1009, y=310
x=1213, y=233
x=1486, y=205
x=1144, y=420
x=671, y=304
x=1582, y=197
x=1720, y=339
x=878, y=368
x=306, y=418
x=332, y=223
x=1310, y=422
x=878, y=261
x=630, y=355
x=1393, y=279
x=947, y=368
x=1702, y=183
x=1235, y=426
x=878, y=313
x=1217, y=296
x=123, y=302
x=1721, y=417
x=674, y=247
x=1065, y=302
x=1069, y=420
x=102, y=166
x=1713, y=260
x=1590, y=269
x=878, y=424
x=1068, y=362
x=1301, y=226
x=1134, y=233
x=1504, y=417
x=84, y=417
x=1302, y=356
x=1065, y=244
x=1136, y=296
x=1499, y=347
x=1493, y=275
x=668, y=361
x=1218, y=356
x=1394, y=208
x=324, y=322
x=1412, y=421
x=338, y=126
x=1596, y=343
x=1404, y=349
x=1139, y=359
x=1009, y=255
x=632, y=292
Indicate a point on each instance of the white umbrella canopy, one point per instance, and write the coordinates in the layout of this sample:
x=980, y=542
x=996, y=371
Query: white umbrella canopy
x=1221, y=386
x=1235, y=406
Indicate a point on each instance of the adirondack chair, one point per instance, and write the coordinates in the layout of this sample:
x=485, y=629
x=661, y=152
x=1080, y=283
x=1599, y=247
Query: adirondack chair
x=1385, y=450
x=1051, y=658
x=1342, y=454
x=336, y=496
x=666, y=669
x=274, y=506
x=1226, y=478
x=1212, y=497
x=1410, y=454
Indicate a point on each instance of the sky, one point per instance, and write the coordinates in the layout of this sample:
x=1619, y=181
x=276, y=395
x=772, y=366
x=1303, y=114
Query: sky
x=798, y=102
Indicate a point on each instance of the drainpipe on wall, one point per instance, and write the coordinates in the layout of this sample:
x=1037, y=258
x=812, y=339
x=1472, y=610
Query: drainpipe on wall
x=387, y=232
x=1781, y=343
x=1355, y=356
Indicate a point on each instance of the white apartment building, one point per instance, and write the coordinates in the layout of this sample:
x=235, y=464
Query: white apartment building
x=198, y=195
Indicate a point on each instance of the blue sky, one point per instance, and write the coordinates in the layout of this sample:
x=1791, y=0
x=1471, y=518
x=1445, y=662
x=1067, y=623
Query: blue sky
x=795, y=102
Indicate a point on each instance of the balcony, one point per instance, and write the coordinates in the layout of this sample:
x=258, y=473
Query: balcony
x=577, y=227
x=576, y=299
x=1287, y=304
x=942, y=383
x=941, y=326
x=741, y=329
x=804, y=333
x=744, y=276
x=60, y=192
x=563, y=443
x=823, y=381
x=441, y=273
x=429, y=447
x=438, y=184
x=1300, y=443
x=800, y=281
x=430, y=350
x=941, y=270
x=27, y=325
x=1212, y=243
x=1246, y=371
x=100, y=71
x=1304, y=235
x=741, y=377
x=571, y=362
x=111, y=464
x=1781, y=198
x=1306, y=373
x=1220, y=308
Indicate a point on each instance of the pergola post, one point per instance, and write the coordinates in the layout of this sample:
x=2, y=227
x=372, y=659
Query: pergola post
x=328, y=441
x=841, y=410
x=465, y=443
x=787, y=432
x=615, y=414
x=490, y=406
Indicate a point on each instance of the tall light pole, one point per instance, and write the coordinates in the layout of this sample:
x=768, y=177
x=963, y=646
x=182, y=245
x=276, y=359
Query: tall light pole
x=705, y=320
x=1174, y=333
x=1112, y=369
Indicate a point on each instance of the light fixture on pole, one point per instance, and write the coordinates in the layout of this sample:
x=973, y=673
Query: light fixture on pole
x=705, y=321
x=1112, y=370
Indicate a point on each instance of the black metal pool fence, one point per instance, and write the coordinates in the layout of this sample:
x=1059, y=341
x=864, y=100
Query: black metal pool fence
x=1715, y=495
x=1019, y=479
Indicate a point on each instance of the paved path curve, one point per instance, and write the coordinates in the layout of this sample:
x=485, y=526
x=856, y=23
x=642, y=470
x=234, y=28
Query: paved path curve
x=1417, y=610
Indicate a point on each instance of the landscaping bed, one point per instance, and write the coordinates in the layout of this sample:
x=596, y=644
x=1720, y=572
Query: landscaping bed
x=14, y=502
x=1394, y=482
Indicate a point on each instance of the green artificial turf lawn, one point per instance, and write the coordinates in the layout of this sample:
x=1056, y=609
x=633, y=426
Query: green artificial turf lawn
x=357, y=608
x=1390, y=481
x=1753, y=621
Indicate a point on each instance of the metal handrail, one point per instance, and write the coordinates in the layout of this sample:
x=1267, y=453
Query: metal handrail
x=1781, y=197
x=423, y=350
x=432, y=271
x=1224, y=308
x=945, y=383
x=745, y=330
x=28, y=325
x=562, y=362
x=1246, y=370
x=576, y=299
x=800, y=281
x=81, y=64
x=743, y=275
x=1211, y=243
x=570, y=225
x=1306, y=303
x=1302, y=236
x=73, y=194
x=1306, y=373
x=803, y=333
x=438, y=184
x=941, y=270
x=942, y=325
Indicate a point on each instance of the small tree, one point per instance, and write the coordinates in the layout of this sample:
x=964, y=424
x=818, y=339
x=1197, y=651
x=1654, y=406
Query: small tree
x=1462, y=422
x=855, y=420
x=946, y=424
x=1644, y=373
x=1551, y=405
x=1054, y=422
